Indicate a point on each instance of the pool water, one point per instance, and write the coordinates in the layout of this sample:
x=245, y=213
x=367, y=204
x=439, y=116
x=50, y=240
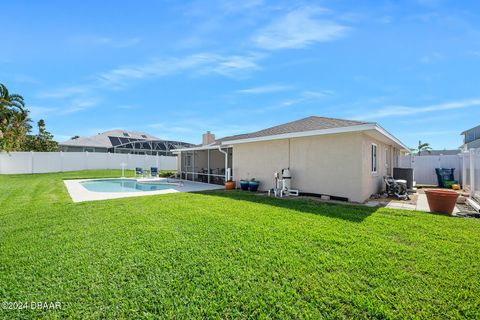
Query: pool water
x=124, y=185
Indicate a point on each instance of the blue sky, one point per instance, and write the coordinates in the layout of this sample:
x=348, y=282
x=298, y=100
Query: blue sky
x=177, y=68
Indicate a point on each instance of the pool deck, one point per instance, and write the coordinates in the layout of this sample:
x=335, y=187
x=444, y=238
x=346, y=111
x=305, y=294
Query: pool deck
x=78, y=193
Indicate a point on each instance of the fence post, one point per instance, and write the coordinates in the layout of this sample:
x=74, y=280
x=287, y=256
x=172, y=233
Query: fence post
x=61, y=161
x=32, y=162
x=463, y=157
x=472, y=172
x=86, y=160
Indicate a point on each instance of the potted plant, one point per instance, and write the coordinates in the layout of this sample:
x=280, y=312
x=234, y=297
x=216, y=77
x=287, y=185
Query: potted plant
x=441, y=201
x=244, y=184
x=229, y=184
x=253, y=185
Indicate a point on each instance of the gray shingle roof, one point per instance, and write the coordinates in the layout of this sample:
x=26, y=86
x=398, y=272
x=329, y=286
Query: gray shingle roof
x=101, y=140
x=306, y=124
x=439, y=152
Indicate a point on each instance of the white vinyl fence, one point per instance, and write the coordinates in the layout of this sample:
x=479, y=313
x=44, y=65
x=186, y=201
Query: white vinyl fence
x=471, y=171
x=466, y=165
x=43, y=162
x=424, y=166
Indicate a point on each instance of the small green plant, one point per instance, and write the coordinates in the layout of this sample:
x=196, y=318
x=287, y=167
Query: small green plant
x=449, y=183
x=166, y=173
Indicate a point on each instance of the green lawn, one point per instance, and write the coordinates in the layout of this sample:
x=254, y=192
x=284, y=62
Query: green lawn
x=229, y=255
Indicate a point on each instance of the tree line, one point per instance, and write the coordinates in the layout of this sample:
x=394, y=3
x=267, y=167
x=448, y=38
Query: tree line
x=16, y=129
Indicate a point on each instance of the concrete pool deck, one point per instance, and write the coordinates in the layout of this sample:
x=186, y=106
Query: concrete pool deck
x=78, y=193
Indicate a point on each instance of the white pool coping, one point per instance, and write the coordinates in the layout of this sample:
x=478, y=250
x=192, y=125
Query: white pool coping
x=78, y=193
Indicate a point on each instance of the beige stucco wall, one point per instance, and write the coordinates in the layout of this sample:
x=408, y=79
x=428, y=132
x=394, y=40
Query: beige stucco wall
x=260, y=160
x=336, y=165
x=373, y=182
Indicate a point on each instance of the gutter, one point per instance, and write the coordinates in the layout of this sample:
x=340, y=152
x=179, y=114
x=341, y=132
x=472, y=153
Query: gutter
x=226, y=163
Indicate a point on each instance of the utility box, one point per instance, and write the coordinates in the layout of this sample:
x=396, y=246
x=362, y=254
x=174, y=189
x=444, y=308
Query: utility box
x=404, y=174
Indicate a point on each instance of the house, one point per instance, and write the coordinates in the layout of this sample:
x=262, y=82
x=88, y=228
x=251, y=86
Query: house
x=471, y=138
x=122, y=141
x=340, y=158
x=444, y=152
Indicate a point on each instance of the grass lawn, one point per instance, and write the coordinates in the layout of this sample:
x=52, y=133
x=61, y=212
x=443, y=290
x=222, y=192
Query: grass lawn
x=228, y=255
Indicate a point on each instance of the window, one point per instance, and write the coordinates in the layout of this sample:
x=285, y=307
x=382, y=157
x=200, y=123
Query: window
x=374, y=158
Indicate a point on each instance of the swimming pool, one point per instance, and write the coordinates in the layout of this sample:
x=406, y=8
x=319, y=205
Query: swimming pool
x=124, y=185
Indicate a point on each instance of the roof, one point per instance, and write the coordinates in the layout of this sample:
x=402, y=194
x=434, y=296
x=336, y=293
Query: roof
x=310, y=126
x=470, y=129
x=440, y=152
x=306, y=124
x=102, y=140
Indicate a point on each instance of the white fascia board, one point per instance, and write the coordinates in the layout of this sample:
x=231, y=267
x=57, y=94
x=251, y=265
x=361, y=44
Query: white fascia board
x=391, y=137
x=215, y=147
x=358, y=128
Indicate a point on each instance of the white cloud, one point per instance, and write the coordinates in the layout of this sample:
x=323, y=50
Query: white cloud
x=78, y=105
x=432, y=57
x=24, y=78
x=203, y=63
x=127, y=107
x=97, y=40
x=64, y=92
x=395, y=111
x=37, y=112
x=298, y=29
x=302, y=97
x=317, y=94
x=475, y=53
x=264, y=89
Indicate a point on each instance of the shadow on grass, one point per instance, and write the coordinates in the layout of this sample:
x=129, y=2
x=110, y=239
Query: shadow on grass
x=348, y=212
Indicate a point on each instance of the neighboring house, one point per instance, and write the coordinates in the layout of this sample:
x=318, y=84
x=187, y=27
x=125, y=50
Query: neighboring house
x=471, y=138
x=340, y=158
x=444, y=152
x=122, y=141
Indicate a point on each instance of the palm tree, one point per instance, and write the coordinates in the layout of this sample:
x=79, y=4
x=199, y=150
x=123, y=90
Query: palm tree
x=10, y=101
x=14, y=120
x=422, y=146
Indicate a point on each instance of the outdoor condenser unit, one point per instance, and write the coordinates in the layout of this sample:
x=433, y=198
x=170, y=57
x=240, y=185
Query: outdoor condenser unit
x=404, y=174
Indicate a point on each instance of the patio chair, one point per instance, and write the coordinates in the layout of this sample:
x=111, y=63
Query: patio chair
x=138, y=172
x=397, y=188
x=154, y=171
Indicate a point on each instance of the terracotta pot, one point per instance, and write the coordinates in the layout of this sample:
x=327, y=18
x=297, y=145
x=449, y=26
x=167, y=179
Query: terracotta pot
x=441, y=201
x=229, y=185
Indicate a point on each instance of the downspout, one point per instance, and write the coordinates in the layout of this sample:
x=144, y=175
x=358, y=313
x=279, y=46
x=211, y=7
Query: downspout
x=226, y=162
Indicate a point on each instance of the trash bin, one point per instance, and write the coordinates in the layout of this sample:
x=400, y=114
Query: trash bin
x=444, y=175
